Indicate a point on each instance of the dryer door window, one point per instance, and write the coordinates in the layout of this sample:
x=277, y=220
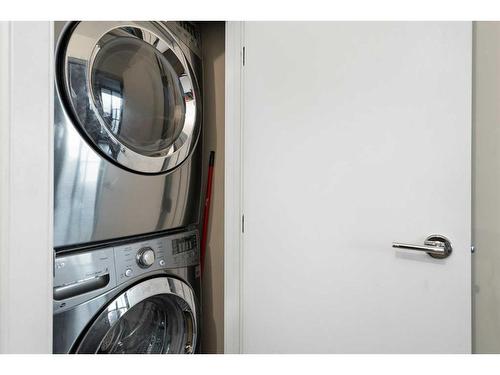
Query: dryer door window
x=138, y=95
x=132, y=92
x=157, y=316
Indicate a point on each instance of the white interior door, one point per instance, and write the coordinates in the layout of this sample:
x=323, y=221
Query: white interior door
x=356, y=135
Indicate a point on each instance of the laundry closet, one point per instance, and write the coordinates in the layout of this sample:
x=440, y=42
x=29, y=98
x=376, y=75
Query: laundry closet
x=138, y=158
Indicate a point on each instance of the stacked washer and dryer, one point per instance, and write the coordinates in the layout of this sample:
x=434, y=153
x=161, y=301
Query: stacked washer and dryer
x=127, y=175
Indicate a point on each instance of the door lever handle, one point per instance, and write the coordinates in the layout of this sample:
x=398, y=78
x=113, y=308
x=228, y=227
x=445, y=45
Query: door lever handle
x=436, y=246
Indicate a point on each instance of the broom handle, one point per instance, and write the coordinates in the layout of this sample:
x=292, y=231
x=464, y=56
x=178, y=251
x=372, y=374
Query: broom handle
x=206, y=210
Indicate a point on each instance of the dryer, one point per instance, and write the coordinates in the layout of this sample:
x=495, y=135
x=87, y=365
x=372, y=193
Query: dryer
x=127, y=157
x=139, y=296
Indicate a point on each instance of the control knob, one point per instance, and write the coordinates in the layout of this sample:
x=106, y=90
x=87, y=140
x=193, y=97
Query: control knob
x=145, y=257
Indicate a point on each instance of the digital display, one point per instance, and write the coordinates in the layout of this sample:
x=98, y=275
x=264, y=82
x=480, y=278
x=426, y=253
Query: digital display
x=181, y=245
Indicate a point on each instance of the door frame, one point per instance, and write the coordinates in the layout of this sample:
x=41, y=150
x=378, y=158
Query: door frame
x=233, y=210
x=26, y=186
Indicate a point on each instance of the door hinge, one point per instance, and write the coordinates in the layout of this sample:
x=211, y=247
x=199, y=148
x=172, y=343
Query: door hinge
x=243, y=53
x=242, y=223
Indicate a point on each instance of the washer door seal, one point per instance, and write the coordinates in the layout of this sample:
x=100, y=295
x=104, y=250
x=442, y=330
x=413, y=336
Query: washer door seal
x=132, y=92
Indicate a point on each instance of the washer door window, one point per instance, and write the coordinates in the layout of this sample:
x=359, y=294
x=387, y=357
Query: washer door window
x=132, y=92
x=156, y=316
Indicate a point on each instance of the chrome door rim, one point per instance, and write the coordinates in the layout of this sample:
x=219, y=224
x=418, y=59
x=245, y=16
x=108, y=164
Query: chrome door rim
x=83, y=44
x=126, y=300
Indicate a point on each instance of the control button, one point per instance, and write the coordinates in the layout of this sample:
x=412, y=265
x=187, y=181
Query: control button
x=128, y=272
x=145, y=257
x=161, y=262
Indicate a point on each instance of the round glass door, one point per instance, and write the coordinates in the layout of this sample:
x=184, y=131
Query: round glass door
x=142, y=322
x=138, y=95
x=133, y=93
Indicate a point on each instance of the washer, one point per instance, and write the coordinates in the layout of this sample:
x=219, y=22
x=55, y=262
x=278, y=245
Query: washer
x=131, y=297
x=127, y=130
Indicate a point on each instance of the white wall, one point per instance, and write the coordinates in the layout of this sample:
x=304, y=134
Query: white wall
x=486, y=187
x=26, y=92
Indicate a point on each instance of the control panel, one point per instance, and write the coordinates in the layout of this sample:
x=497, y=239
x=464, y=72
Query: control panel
x=175, y=251
x=81, y=276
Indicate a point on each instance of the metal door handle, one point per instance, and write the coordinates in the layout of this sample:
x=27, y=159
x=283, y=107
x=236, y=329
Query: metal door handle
x=436, y=246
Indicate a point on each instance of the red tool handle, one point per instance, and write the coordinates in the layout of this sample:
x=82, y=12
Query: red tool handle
x=206, y=210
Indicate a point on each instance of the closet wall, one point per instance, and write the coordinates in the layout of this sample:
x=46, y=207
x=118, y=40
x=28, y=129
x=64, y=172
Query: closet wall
x=213, y=46
x=486, y=188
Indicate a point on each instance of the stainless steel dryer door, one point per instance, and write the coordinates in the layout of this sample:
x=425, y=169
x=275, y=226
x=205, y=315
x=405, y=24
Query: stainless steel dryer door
x=156, y=316
x=131, y=90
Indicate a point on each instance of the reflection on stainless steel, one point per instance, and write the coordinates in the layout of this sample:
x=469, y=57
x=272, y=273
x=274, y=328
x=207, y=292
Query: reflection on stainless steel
x=81, y=286
x=134, y=93
x=95, y=199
